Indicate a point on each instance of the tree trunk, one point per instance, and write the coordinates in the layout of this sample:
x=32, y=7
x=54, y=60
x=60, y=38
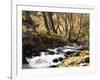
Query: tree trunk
x=46, y=22
x=66, y=24
x=71, y=26
x=51, y=22
x=79, y=27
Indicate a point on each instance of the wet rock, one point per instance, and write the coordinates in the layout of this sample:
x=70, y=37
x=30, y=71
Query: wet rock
x=53, y=66
x=51, y=52
x=60, y=58
x=69, y=53
x=77, y=54
x=87, y=60
x=55, y=60
x=36, y=54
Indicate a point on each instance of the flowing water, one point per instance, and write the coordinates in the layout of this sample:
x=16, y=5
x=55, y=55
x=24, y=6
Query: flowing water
x=52, y=57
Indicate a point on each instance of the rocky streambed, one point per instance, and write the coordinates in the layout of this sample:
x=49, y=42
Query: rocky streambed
x=65, y=56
